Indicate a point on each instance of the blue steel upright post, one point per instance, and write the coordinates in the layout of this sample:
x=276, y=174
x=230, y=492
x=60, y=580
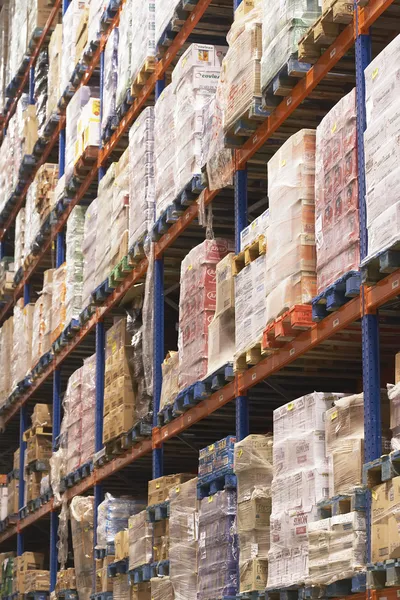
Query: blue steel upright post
x=158, y=326
x=369, y=322
x=21, y=491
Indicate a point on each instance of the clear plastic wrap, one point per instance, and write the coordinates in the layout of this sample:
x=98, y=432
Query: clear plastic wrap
x=165, y=149
x=81, y=512
x=141, y=179
x=197, y=307
x=6, y=348
x=110, y=79
x=170, y=371
x=125, y=51
x=103, y=225
x=148, y=324
x=19, y=244
x=41, y=325
x=219, y=159
x=140, y=540
x=73, y=113
x=143, y=39
x=113, y=515
x=74, y=263
x=257, y=227
x=164, y=14
x=73, y=419
x=250, y=304
x=22, y=341
x=162, y=589
x=41, y=87
x=71, y=21
x=394, y=398
x=58, y=319
x=96, y=10
x=121, y=587
x=336, y=194
x=88, y=398
x=291, y=257
x=55, y=58
x=120, y=211
x=218, y=552
x=4, y=46
x=183, y=539
x=89, y=252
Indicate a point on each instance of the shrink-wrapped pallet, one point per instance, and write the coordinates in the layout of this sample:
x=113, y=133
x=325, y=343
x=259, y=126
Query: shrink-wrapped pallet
x=74, y=109
x=120, y=211
x=336, y=194
x=250, y=305
x=73, y=421
x=88, y=399
x=113, y=515
x=170, y=374
x=284, y=24
x=96, y=10
x=55, y=58
x=141, y=179
x=81, y=511
x=164, y=150
x=89, y=253
x=110, y=80
x=125, y=58
x=162, y=588
x=140, y=540
x=6, y=345
x=291, y=257
x=103, y=225
x=22, y=341
x=40, y=92
x=74, y=263
x=165, y=11
x=71, y=21
x=18, y=21
x=4, y=46
x=88, y=130
x=41, y=326
x=19, y=244
x=58, y=308
x=143, y=38
x=197, y=307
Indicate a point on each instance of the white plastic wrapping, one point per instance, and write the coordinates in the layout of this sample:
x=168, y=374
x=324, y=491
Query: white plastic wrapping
x=103, y=225
x=110, y=79
x=74, y=263
x=96, y=9
x=41, y=326
x=81, y=512
x=19, y=244
x=58, y=309
x=250, y=305
x=88, y=398
x=55, y=58
x=6, y=345
x=71, y=21
x=170, y=372
x=113, y=515
x=164, y=150
x=140, y=533
x=4, y=46
x=120, y=211
x=22, y=341
x=164, y=13
x=125, y=52
x=143, y=30
x=89, y=253
x=74, y=109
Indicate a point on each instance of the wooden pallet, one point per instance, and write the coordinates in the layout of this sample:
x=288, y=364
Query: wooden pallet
x=141, y=78
x=246, y=124
x=249, y=254
x=381, y=469
x=325, y=31
x=383, y=575
x=343, y=504
x=29, y=433
x=216, y=482
x=377, y=267
x=286, y=328
x=249, y=358
x=86, y=161
x=336, y=295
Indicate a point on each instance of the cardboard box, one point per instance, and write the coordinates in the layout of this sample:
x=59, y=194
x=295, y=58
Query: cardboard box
x=158, y=489
x=254, y=513
x=39, y=447
x=30, y=561
x=121, y=420
x=123, y=394
x=347, y=464
x=106, y=582
x=106, y=428
x=37, y=580
x=16, y=459
x=161, y=528
x=42, y=415
x=12, y=499
x=121, y=361
x=117, y=337
x=121, y=542
x=141, y=591
x=253, y=575
x=98, y=581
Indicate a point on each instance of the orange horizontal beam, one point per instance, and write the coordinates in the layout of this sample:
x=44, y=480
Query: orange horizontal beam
x=370, y=13
x=385, y=290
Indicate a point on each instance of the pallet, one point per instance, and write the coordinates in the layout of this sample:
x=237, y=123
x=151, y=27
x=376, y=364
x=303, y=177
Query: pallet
x=187, y=196
x=216, y=482
x=67, y=595
x=381, y=469
x=9, y=521
x=109, y=550
x=146, y=572
x=248, y=358
x=37, y=430
x=143, y=75
x=14, y=474
x=87, y=314
x=119, y=567
x=113, y=447
x=245, y=125
x=249, y=254
x=85, y=163
x=101, y=293
x=283, y=82
x=343, y=504
x=158, y=512
x=137, y=250
x=252, y=595
x=120, y=272
x=77, y=475
x=343, y=587
x=383, y=574
x=183, y=10
x=38, y=595
x=102, y=596
x=336, y=295
x=38, y=466
x=286, y=328
x=376, y=267
x=325, y=30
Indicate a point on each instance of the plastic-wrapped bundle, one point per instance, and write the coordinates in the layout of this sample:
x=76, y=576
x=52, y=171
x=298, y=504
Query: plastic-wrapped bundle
x=291, y=256
x=18, y=21
x=58, y=320
x=40, y=89
x=140, y=533
x=81, y=511
x=221, y=331
x=165, y=12
x=170, y=371
x=113, y=515
x=284, y=24
x=89, y=253
x=73, y=421
x=164, y=133
x=74, y=108
x=4, y=45
x=124, y=62
x=22, y=341
x=143, y=25
x=183, y=541
x=6, y=346
x=96, y=10
x=219, y=159
x=41, y=326
x=53, y=83
x=218, y=553
x=120, y=211
x=162, y=589
x=197, y=307
x=336, y=194
x=110, y=79
x=103, y=225
x=88, y=398
x=74, y=263
x=19, y=244
x=71, y=21
x=141, y=179
x=250, y=305
x=121, y=587
x=39, y=202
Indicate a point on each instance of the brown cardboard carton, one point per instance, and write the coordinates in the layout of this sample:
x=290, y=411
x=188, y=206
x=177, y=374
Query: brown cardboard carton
x=12, y=500
x=161, y=528
x=98, y=563
x=106, y=582
x=156, y=491
x=379, y=541
x=117, y=337
x=121, y=420
x=39, y=447
x=108, y=370
x=254, y=513
x=121, y=543
x=225, y=290
x=16, y=459
x=123, y=392
x=253, y=575
x=161, y=588
x=141, y=591
x=42, y=415
x=106, y=428
x=98, y=581
x=347, y=464
x=108, y=395
x=30, y=561
x=37, y=580
x=160, y=548
x=121, y=362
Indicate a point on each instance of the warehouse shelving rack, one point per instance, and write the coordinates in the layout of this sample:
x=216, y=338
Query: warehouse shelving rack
x=363, y=309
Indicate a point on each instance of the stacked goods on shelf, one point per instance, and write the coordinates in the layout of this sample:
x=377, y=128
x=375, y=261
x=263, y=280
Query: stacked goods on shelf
x=81, y=34
x=159, y=489
x=73, y=113
x=141, y=177
x=164, y=150
x=337, y=230
x=103, y=582
x=96, y=10
x=22, y=341
x=110, y=81
x=4, y=48
x=82, y=517
x=221, y=330
x=142, y=591
x=197, y=307
x=28, y=572
x=126, y=36
x=6, y=573
x=112, y=519
x=42, y=318
x=253, y=468
x=300, y=481
x=183, y=540
x=6, y=345
x=258, y=227
x=89, y=253
x=164, y=14
x=103, y=225
x=394, y=399
x=143, y=37
x=71, y=22
x=38, y=449
x=3, y=502
x=66, y=580
x=74, y=263
x=291, y=258
x=53, y=82
x=7, y=272
x=381, y=156
x=40, y=93
x=170, y=374
x=385, y=538
x=283, y=27
x=162, y=588
x=120, y=587
x=241, y=66
x=37, y=581
x=13, y=487
x=19, y=240
x=140, y=537
x=88, y=399
x=88, y=129
x=120, y=211
x=58, y=315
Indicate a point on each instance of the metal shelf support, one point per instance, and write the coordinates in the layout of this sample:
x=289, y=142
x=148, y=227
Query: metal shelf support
x=158, y=333
x=21, y=490
x=32, y=85
x=27, y=293
x=61, y=153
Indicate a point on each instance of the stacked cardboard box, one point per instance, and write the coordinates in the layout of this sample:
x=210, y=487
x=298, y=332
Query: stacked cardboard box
x=291, y=257
x=39, y=447
x=159, y=489
x=110, y=80
x=96, y=9
x=7, y=272
x=103, y=225
x=141, y=591
x=22, y=341
x=19, y=240
x=217, y=457
x=55, y=57
x=88, y=399
x=300, y=481
x=6, y=344
x=252, y=232
x=162, y=588
x=40, y=91
x=72, y=421
x=42, y=318
x=4, y=45
x=3, y=499
x=183, y=539
x=143, y=36
x=124, y=60
x=74, y=111
x=88, y=128
x=89, y=253
x=336, y=194
x=81, y=511
x=66, y=580
x=25, y=568
x=197, y=307
x=74, y=264
x=58, y=308
x=140, y=532
x=120, y=211
x=381, y=154
x=37, y=581
x=103, y=582
x=164, y=150
x=170, y=373
x=253, y=468
x=69, y=59
x=385, y=517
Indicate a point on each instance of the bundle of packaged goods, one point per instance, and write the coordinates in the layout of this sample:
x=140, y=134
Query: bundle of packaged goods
x=13, y=487
x=241, y=66
x=3, y=502
x=143, y=36
x=4, y=45
x=112, y=518
x=6, y=345
x=40, y=89
x=19, y=240
x=337, y=230
x=88, y=130
x=284, y=24
x=197, y=307
x=110, y=81
x=96, y=10
x=120, y=211
x=164, y=150
x=161, y=588
x=58, y=311
x=22, y=341
x=7, y=273
x=140, y=537
x=53, y=82
x=165, y=12
x=74, y=134
x=126, y=37
x=300, y=481
x=141, y=178
x=88, y=400
x=74, y=263
x=253, y=468
x=103, y=225
x=385, y=535
x=221, y=330
x=42, y=315
x=170, y=374
x=89, y=253
x=6, y=573
x=394, y=399
x=39, y=445
x=290, y=277
x=28, y=573
x=71, y=22
x=66, y=580
x=380, y=147
x=183, y=540
x=81, y=511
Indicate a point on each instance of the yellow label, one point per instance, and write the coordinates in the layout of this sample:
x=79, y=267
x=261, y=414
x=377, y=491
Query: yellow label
x=290, y=406
x=211, y=447
x=177, y=489
x=210, y=498
x=334, y=415
x=333, y=130
x=374, y=495
x=130, y=526
x=283, y=163
x=114, y=347
x=240, y=452
x=157, y=486
x=190, y=267
x=375, y=73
